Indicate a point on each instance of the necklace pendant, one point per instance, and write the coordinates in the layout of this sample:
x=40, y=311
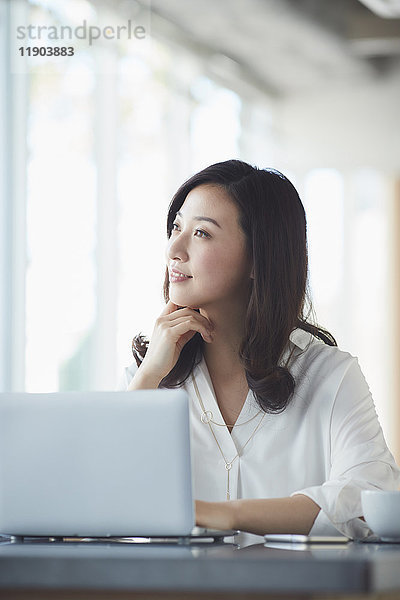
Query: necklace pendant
x=206, y=417
x=228, y=467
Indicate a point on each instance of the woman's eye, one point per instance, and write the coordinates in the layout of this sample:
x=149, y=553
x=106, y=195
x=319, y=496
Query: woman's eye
x=204, y=233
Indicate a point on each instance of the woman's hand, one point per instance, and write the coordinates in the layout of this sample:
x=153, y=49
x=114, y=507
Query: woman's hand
x=215, y=515
x=172, y=330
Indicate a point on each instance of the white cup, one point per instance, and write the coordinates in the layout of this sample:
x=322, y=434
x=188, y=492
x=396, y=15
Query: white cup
x=381, y=510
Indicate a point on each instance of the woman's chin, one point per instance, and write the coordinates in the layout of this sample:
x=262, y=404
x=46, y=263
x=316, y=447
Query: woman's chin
x=184, y=302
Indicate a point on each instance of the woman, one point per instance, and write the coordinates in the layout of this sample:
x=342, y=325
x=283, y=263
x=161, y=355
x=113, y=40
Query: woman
x=285, y=434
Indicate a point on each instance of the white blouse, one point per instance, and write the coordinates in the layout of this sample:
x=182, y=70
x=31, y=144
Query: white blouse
x=327, y=445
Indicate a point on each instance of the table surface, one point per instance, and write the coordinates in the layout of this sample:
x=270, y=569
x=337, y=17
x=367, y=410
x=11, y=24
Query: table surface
x=348, y=568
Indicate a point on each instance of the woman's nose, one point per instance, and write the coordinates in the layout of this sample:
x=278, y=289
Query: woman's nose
x=176, y=248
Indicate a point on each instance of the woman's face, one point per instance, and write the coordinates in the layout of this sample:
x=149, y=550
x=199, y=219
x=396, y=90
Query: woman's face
x=214, y=255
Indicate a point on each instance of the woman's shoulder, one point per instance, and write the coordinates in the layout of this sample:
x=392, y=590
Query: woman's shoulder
x=328, y=378
x=321, y=359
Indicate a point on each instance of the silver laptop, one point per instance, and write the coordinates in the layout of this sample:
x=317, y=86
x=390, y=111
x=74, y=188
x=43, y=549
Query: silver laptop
x=97, y=464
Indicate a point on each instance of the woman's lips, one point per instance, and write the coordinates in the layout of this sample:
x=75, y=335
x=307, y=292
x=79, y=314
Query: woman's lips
x=178, y=278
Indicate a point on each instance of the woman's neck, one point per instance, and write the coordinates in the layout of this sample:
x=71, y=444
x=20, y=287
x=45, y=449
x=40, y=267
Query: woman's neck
x=223, y=361
x=222, y=354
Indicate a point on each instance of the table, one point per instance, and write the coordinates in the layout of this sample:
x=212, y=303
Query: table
x=108, y=570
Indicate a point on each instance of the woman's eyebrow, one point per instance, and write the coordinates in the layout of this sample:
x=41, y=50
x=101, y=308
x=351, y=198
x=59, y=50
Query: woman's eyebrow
x=179, y=214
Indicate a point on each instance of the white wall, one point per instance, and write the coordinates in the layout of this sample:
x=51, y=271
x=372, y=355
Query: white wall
x=350, y=126
x=355, y=129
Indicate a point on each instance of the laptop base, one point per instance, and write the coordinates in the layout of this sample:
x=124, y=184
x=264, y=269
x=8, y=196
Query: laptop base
x=197, y=535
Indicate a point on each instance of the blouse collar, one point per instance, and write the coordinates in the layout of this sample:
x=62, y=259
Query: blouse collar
x=301, y=338
x=298, y=337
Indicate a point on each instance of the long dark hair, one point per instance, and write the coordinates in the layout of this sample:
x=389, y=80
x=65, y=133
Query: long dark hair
x=273, y=220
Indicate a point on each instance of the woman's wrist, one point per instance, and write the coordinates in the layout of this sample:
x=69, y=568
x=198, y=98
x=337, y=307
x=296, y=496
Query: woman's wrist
x=234, y=513
x=143, y=381
x=215, y=515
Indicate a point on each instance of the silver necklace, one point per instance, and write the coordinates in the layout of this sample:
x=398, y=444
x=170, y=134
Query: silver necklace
x=208, y=421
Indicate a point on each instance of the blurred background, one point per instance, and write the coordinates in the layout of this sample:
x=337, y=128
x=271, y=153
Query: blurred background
x=94, y=146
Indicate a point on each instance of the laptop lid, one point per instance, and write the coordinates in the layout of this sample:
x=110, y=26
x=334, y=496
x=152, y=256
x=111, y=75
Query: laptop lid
x=96, y=464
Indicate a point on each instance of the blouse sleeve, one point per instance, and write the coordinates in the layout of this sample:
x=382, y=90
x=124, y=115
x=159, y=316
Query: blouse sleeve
x=359, y=460
x=126, y=377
